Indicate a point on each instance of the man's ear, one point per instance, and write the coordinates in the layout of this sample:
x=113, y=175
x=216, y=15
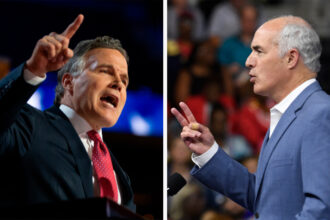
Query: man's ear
x=292, y=58
x=67, y=82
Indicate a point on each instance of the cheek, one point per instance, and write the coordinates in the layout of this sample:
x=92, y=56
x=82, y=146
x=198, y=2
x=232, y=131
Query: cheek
x=83, y=93
x=269, y=69
x=123, y=98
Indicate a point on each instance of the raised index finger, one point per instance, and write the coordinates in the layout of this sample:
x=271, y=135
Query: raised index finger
x=187, y=112
x=73, y=27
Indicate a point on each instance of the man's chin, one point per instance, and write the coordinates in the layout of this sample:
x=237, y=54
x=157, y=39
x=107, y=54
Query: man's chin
x=108, y=123
x=99, y=123
x=257, y=90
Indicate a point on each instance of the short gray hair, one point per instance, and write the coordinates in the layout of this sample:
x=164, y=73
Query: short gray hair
x=304, y=39
x=77, y=63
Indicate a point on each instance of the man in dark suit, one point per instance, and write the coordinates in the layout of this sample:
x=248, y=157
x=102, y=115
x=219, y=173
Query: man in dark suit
x=59, y=154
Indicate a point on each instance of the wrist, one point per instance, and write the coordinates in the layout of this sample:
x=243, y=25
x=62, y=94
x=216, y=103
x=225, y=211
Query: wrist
x=34, y=69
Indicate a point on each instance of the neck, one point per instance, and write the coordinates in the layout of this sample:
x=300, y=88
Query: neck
x=289, y=87
x=66, y=101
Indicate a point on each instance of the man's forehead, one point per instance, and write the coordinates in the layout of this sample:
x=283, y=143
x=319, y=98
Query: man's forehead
x=264, y=36
x=106, y=57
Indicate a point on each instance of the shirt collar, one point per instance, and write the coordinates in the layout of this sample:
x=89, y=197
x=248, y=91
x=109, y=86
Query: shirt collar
x=79, y=124
x=286, y=102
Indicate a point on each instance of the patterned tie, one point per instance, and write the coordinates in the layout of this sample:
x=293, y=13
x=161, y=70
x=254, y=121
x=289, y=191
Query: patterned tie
x=103, y=167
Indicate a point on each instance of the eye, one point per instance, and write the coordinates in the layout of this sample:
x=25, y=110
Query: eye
x=125, y=82
x=104, y=70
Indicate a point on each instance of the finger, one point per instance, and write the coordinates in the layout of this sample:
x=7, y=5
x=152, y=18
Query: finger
x=48, y=48
x=73, y=27
x=68, y=53
x=182, y=120
x=60, y=58
x=187, y=112
x=194, y=126
x=184, y=135
x=60, y=38
x=193, y=132
x=201, y=128
x=198, y=127
x=192, y=144
x=57, y=44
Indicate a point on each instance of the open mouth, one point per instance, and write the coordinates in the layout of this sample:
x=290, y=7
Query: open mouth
x=110, y=99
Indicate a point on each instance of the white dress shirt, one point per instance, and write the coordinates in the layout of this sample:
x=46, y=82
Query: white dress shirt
x=278, y=110
x=80, y=125
x=275, y=115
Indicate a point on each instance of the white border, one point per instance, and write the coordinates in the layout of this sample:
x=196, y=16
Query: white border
x=164, y=109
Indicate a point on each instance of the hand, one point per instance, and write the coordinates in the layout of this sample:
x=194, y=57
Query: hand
x=52, y=51
x=196, y=136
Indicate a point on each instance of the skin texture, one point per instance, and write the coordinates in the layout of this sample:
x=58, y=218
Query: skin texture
x=271, y=75
x=274, y=76
x=105, y=74
x=52, y=51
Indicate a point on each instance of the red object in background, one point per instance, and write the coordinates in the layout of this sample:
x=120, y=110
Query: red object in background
x=252, y=122
x=199, y=107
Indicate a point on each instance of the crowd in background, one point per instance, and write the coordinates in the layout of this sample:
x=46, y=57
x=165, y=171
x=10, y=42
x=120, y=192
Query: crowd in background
x=206, y=69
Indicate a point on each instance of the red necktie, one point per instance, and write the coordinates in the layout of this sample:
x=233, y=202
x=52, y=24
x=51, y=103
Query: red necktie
x=103, y=167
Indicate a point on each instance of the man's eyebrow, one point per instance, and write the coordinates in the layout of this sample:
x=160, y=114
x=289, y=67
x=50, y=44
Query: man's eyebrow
x=105, y=65
x=111, y=67
x=256, y=47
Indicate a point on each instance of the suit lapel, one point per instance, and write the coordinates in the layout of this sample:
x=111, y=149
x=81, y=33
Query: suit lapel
x=123, y=180
x=63, y=125
x=286, y=120
x=269, y=147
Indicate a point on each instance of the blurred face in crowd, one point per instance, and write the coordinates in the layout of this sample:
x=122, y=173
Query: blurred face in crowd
x=249, y=20
x=98, y=94
x=238, y=3
x=205, y=54
x=267, y=69
x=211, y=91
x=219, y=123
x=179, y=153
x=185, y=28
x=180, y=3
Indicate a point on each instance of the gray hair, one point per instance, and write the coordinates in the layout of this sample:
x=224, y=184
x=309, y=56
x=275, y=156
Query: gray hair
x=77, y=63
x=303, y=38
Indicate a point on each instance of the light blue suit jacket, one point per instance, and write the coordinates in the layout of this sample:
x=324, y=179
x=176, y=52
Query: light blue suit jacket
x=293, y=175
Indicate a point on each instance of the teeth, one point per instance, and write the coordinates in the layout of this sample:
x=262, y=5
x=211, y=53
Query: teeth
x=111, y=105
x=109, y=100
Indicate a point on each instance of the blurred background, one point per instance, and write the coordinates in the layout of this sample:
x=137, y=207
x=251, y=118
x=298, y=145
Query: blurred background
x=136, y=140
x=208, y=43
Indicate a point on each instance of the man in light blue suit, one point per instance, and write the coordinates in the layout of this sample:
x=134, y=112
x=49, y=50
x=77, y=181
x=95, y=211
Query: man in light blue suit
x=293, y=178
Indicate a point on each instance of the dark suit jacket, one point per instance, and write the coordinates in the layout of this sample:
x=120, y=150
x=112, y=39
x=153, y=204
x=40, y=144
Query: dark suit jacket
x=42, y=158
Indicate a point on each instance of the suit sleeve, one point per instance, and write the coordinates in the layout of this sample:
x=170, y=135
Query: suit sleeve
x=227, y=176
x=16, y=123
x=315, y=161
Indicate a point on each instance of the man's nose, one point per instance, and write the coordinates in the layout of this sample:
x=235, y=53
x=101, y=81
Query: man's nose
x=249, y=63
x=116, y=83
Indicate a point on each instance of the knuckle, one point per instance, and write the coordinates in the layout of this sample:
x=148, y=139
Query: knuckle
x=51, y=46
x=43, y=39
x=58, y=45
x=65, y=40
